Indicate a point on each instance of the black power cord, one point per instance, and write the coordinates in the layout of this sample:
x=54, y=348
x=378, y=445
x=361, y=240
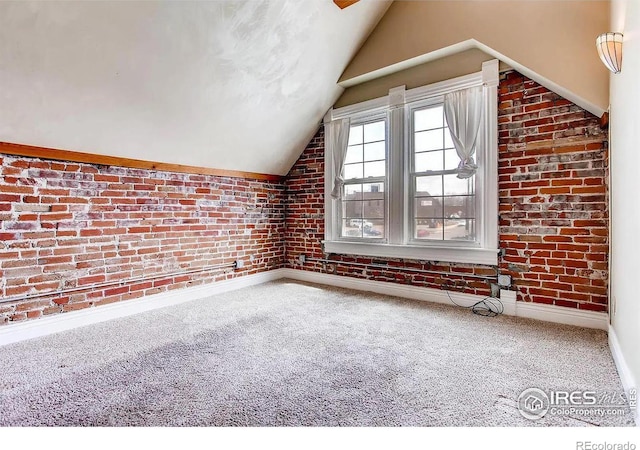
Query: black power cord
x=487, y=307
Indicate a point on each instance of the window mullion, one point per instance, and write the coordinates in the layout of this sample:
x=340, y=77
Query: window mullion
x=396, y=176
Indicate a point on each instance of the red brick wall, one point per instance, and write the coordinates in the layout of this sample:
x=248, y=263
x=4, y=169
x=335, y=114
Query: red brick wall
x=553, y=206
x=554, y=219
x=64, y=225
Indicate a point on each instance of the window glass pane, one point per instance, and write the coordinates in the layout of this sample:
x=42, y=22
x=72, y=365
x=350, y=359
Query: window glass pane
x=428, y=229
x=428, y=207
x=352, y=209
x=349, y=228
x=374, y=151
x=426, y=119
x=374, y=169
x=352, y=171
x=460, y=230
x=442, y=206
x=374, y=131
x=352, y=192
x=364, y=204
x=429, y=185
x=456, y=186
x=448, y=142
x=460, y=207
x=373, y=209
x=355, y=135
x=373, y=190
x=429, y=140
x=373, y=228
x=451, y=159
x=354, y=154
x=429, y=161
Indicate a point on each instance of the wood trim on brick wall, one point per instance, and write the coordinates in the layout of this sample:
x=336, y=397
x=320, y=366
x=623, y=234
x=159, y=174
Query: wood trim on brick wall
x=342, y=4
x=92, y=158
x=67, y=226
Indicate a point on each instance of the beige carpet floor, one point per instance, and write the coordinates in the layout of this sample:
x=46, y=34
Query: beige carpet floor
x=288, y=353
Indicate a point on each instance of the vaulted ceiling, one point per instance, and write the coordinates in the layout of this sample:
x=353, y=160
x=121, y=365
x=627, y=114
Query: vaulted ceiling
x=233, y=84
x=243, y=85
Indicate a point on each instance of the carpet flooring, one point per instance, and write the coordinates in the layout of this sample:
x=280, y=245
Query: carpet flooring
x=295, y=354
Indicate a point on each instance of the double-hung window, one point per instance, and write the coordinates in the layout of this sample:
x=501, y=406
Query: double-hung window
x=407, y=191
x=442, y=205
x=363, y=210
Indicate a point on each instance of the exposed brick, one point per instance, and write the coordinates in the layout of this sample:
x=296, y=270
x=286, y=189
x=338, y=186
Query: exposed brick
x=94, y=224
x=552, y=163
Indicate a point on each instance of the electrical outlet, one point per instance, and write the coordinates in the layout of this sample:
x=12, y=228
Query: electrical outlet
x=495, y=290
x=239, y=264
x=504, y=280
x=302, y=258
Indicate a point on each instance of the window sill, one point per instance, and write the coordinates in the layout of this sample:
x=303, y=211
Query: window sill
x=422, y=253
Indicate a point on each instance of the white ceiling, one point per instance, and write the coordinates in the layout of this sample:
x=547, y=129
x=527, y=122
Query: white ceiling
x=230, y=85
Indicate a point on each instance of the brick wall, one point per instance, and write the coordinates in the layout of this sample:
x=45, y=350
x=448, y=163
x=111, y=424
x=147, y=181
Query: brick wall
x=553, y=206
x=554, y=219
x=304, y=232
x=65, y=225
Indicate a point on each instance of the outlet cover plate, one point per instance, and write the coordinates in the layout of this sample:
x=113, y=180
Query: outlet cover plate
x=504, y=280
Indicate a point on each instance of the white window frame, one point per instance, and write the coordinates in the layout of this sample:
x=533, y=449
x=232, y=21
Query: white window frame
x=361, y=119
x=399, y=243
x=410, y=216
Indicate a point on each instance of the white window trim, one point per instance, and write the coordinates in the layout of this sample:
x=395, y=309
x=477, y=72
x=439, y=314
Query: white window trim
x=410, y=240
x=397, y=245
x=356, y=119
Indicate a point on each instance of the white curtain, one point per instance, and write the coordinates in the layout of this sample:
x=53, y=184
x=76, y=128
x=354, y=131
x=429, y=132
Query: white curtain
x=339, y=135
x=463, y=111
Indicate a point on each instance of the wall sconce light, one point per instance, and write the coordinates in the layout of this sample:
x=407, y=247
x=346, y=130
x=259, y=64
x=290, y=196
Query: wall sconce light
x=609, y=47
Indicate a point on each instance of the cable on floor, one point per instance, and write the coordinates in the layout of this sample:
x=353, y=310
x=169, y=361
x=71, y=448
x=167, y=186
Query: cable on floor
x=487, y=307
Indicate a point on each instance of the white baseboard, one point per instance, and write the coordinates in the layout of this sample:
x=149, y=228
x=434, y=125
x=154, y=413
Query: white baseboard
x=548, y=313
x=561, y=314
x=384, y=287
x=47, y=325
x=53, y=324
x=626, y=376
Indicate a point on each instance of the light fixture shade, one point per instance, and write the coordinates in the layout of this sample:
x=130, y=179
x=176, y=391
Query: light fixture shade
x=609, y=47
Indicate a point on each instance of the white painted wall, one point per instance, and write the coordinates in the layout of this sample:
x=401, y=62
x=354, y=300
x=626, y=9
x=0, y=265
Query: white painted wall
x=625, y=186
x=227, y=84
